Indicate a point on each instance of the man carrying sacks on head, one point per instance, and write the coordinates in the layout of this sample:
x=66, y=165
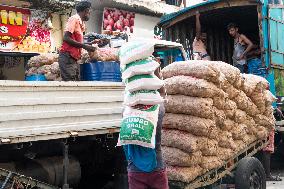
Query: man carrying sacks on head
x=146, y=168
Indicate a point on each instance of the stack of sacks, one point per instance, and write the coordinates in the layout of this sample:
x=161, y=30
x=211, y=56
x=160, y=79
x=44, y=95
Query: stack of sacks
x=213, y=113
x=142, y=99
x=45, y=64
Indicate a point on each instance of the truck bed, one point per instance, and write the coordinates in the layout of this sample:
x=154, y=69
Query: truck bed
x=32, y=111
x=227, y=168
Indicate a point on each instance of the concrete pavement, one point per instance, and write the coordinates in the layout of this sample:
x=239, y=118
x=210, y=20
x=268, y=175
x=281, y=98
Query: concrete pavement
x=275, y=185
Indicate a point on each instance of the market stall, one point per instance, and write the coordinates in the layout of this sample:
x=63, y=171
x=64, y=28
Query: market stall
x=24, y=33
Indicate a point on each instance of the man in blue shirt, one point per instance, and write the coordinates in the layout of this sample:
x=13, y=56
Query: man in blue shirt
x=146, y=168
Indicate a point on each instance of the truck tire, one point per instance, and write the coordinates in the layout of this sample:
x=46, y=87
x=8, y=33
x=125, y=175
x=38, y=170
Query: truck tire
x=250, y=174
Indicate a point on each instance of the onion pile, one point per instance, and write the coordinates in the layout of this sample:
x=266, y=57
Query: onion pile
x=118, y=20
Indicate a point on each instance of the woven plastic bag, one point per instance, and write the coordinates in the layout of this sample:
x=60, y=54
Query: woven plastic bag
x=136, y=50
x=145, y=97
x=139, y=126
x=140, y=67
x=143, y=82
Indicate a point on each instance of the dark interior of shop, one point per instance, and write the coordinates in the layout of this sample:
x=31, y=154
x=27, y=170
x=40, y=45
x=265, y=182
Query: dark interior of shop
x=214, y=23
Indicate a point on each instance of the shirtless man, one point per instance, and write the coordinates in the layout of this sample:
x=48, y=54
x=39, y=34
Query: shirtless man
x=199, y=43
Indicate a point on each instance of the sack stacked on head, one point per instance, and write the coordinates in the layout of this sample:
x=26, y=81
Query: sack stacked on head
x=213, y=112
x=141, y=98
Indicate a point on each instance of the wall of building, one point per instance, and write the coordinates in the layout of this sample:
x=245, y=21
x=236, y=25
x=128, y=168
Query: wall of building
x=144, y=26
x=57, y=31
x=95, y=22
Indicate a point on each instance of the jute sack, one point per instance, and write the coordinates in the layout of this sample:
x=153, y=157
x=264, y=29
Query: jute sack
x=249, y=139
x=262, y=132
x=228, y=125
x=240, y=145
x=232, y=92
x=230, y=109
x=192, y=68
x=226, y=140
x=201, y=107
x=136, y=50
x=183, y=174
x=269, y=111
x=224, y=153
x=240, y=116
x=192, y=124
x=176, y=157
x=254, y=83
x=239, y=131
x=181, y=140
x=220, y=102
x=230, y=114
x=210, y=147
x=269, y=98
x=190, y=86
x=210, y=162
x=258, y=99
x=252, y=130
x=244, y=103
x=231, y=73
x=220, y=116
x=264, y=121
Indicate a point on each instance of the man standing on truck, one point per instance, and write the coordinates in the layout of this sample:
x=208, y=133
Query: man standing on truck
x=72, y=46
x=199, y=43
x=146, y=168
x=242, y=46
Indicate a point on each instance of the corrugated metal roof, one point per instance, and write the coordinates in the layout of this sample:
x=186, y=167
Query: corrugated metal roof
x=168, y=17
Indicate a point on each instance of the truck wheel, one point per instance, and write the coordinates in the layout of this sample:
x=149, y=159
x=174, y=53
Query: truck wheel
x=250, y=174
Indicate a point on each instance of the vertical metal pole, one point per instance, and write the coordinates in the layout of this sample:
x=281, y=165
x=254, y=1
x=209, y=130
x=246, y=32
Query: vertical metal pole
x=65, y=166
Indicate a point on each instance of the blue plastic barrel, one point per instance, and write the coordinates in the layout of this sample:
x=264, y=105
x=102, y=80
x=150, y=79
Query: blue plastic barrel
x=36, y=77
x=101, y=71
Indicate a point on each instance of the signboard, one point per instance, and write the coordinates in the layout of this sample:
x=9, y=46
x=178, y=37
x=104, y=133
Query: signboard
x=115, y=20
x=13, y=26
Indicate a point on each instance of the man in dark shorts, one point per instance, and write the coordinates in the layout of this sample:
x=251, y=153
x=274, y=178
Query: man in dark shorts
x=72, y=46
x=242, y=46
